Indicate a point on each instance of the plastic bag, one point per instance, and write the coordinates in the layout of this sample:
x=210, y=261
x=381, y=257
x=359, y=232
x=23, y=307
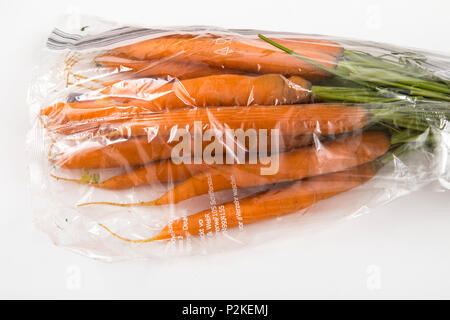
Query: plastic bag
x=150, y=142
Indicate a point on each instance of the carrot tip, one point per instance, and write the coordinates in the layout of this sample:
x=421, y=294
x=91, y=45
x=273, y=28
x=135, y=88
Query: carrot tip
x=148, y=203
x=126, y=239
x=71, y=180
x=102, y=202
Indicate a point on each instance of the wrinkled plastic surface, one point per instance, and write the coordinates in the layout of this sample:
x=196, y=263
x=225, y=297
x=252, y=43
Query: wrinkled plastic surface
x=240, y=141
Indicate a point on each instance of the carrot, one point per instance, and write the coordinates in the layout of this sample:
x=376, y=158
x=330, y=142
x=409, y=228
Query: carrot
x=156, y=172
x=332, y=156
x=250, y=55
x=179, y=69
x=266, y=205
x=216, y=90
x=143, y=96
x=139, y=150
x=149, y=95
x=124, y=107
x=119, y=153
x=289, y=119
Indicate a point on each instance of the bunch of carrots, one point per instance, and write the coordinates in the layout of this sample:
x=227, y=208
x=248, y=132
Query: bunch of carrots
x=341, y=114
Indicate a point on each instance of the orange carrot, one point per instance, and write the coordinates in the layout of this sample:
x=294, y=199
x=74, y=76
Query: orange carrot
x=150, y=95
x=250, y=55
x=120, y=107
x=216, y=90
x=289, y=119
x=332, y=156
x=161, y=68
x=267, y=205
x=120, y=153
x=139, y=150
x=156, y=172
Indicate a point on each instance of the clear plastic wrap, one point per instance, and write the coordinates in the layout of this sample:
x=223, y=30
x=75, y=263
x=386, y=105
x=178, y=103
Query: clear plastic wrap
x=149, y=142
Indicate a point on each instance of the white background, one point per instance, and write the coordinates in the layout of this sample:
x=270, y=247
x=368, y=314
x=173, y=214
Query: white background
x=401, y=250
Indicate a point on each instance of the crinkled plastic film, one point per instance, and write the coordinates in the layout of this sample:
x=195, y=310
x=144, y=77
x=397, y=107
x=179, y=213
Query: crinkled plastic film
x=149, y=142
